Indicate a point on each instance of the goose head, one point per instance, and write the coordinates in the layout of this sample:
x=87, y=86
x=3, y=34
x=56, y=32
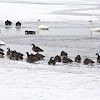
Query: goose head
x=8, y=48
x=97, y=54
x=33, y=45
x=27, y=54
x=90, y=21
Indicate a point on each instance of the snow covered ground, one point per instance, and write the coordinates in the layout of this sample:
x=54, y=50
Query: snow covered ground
x=22, y=81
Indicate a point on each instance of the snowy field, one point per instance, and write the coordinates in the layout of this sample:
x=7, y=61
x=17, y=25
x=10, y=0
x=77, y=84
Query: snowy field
x=69, y=30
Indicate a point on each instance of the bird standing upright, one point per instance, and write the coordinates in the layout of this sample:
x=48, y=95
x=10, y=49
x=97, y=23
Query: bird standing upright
x=36, y=49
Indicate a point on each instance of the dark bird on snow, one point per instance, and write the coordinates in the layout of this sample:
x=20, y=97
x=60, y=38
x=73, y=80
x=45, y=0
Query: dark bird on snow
x=18, y=23
x=57, y=58
x=31, y=59
x=63, y=54
x=88, y=61
x=8, y=52
x=78, y=58
x=36, y=49
x=8, y=22
x=98, y=58
x=67, y=60
x=51, y=61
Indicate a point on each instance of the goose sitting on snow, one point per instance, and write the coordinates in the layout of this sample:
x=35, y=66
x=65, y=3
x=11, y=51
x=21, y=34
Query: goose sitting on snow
x=57, y=58
x=67, y=60
x=8, y=52
x=42, y=27
x=63, y=54
x=16, y=55
x=78, y=58
x=51, y=61
x=93, y=29
x=31, y=58
x=88, y=61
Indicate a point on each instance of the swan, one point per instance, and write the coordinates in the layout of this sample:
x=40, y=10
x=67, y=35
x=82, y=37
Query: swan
x=93, y=29
x=42, y=27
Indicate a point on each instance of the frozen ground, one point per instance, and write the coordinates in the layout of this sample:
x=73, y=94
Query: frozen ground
x=57, y=11
x=23, y=81
x=20, y=80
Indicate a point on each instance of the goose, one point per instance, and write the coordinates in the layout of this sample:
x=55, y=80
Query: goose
x=18, y=55
x=98, y=58
x=13, y=55
x=31, y=59
x=63, y=54
x=51, y=61
x=57, y=58
x=67, y=60
x=30, y=32
x=36, y=49
x=78, y=58
x=93, y=29
x=7, y=22
x=18, y=23
x=42, y=27
x=8, y=52
x=88, y=61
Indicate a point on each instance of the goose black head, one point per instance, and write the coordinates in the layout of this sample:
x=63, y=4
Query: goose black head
x=33, y=45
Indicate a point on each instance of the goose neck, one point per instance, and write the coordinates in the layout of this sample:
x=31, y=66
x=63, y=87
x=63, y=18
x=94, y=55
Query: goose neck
x=27, y=54
x=51, y=58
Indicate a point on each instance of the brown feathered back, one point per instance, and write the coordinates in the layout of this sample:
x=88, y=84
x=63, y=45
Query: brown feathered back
x=36, y=49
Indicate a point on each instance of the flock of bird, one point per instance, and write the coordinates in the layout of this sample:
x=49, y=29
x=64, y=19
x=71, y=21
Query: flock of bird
x=18, y=25
x=8, y=22
x=42, y=27
x=32, y=58
x=65, y=59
